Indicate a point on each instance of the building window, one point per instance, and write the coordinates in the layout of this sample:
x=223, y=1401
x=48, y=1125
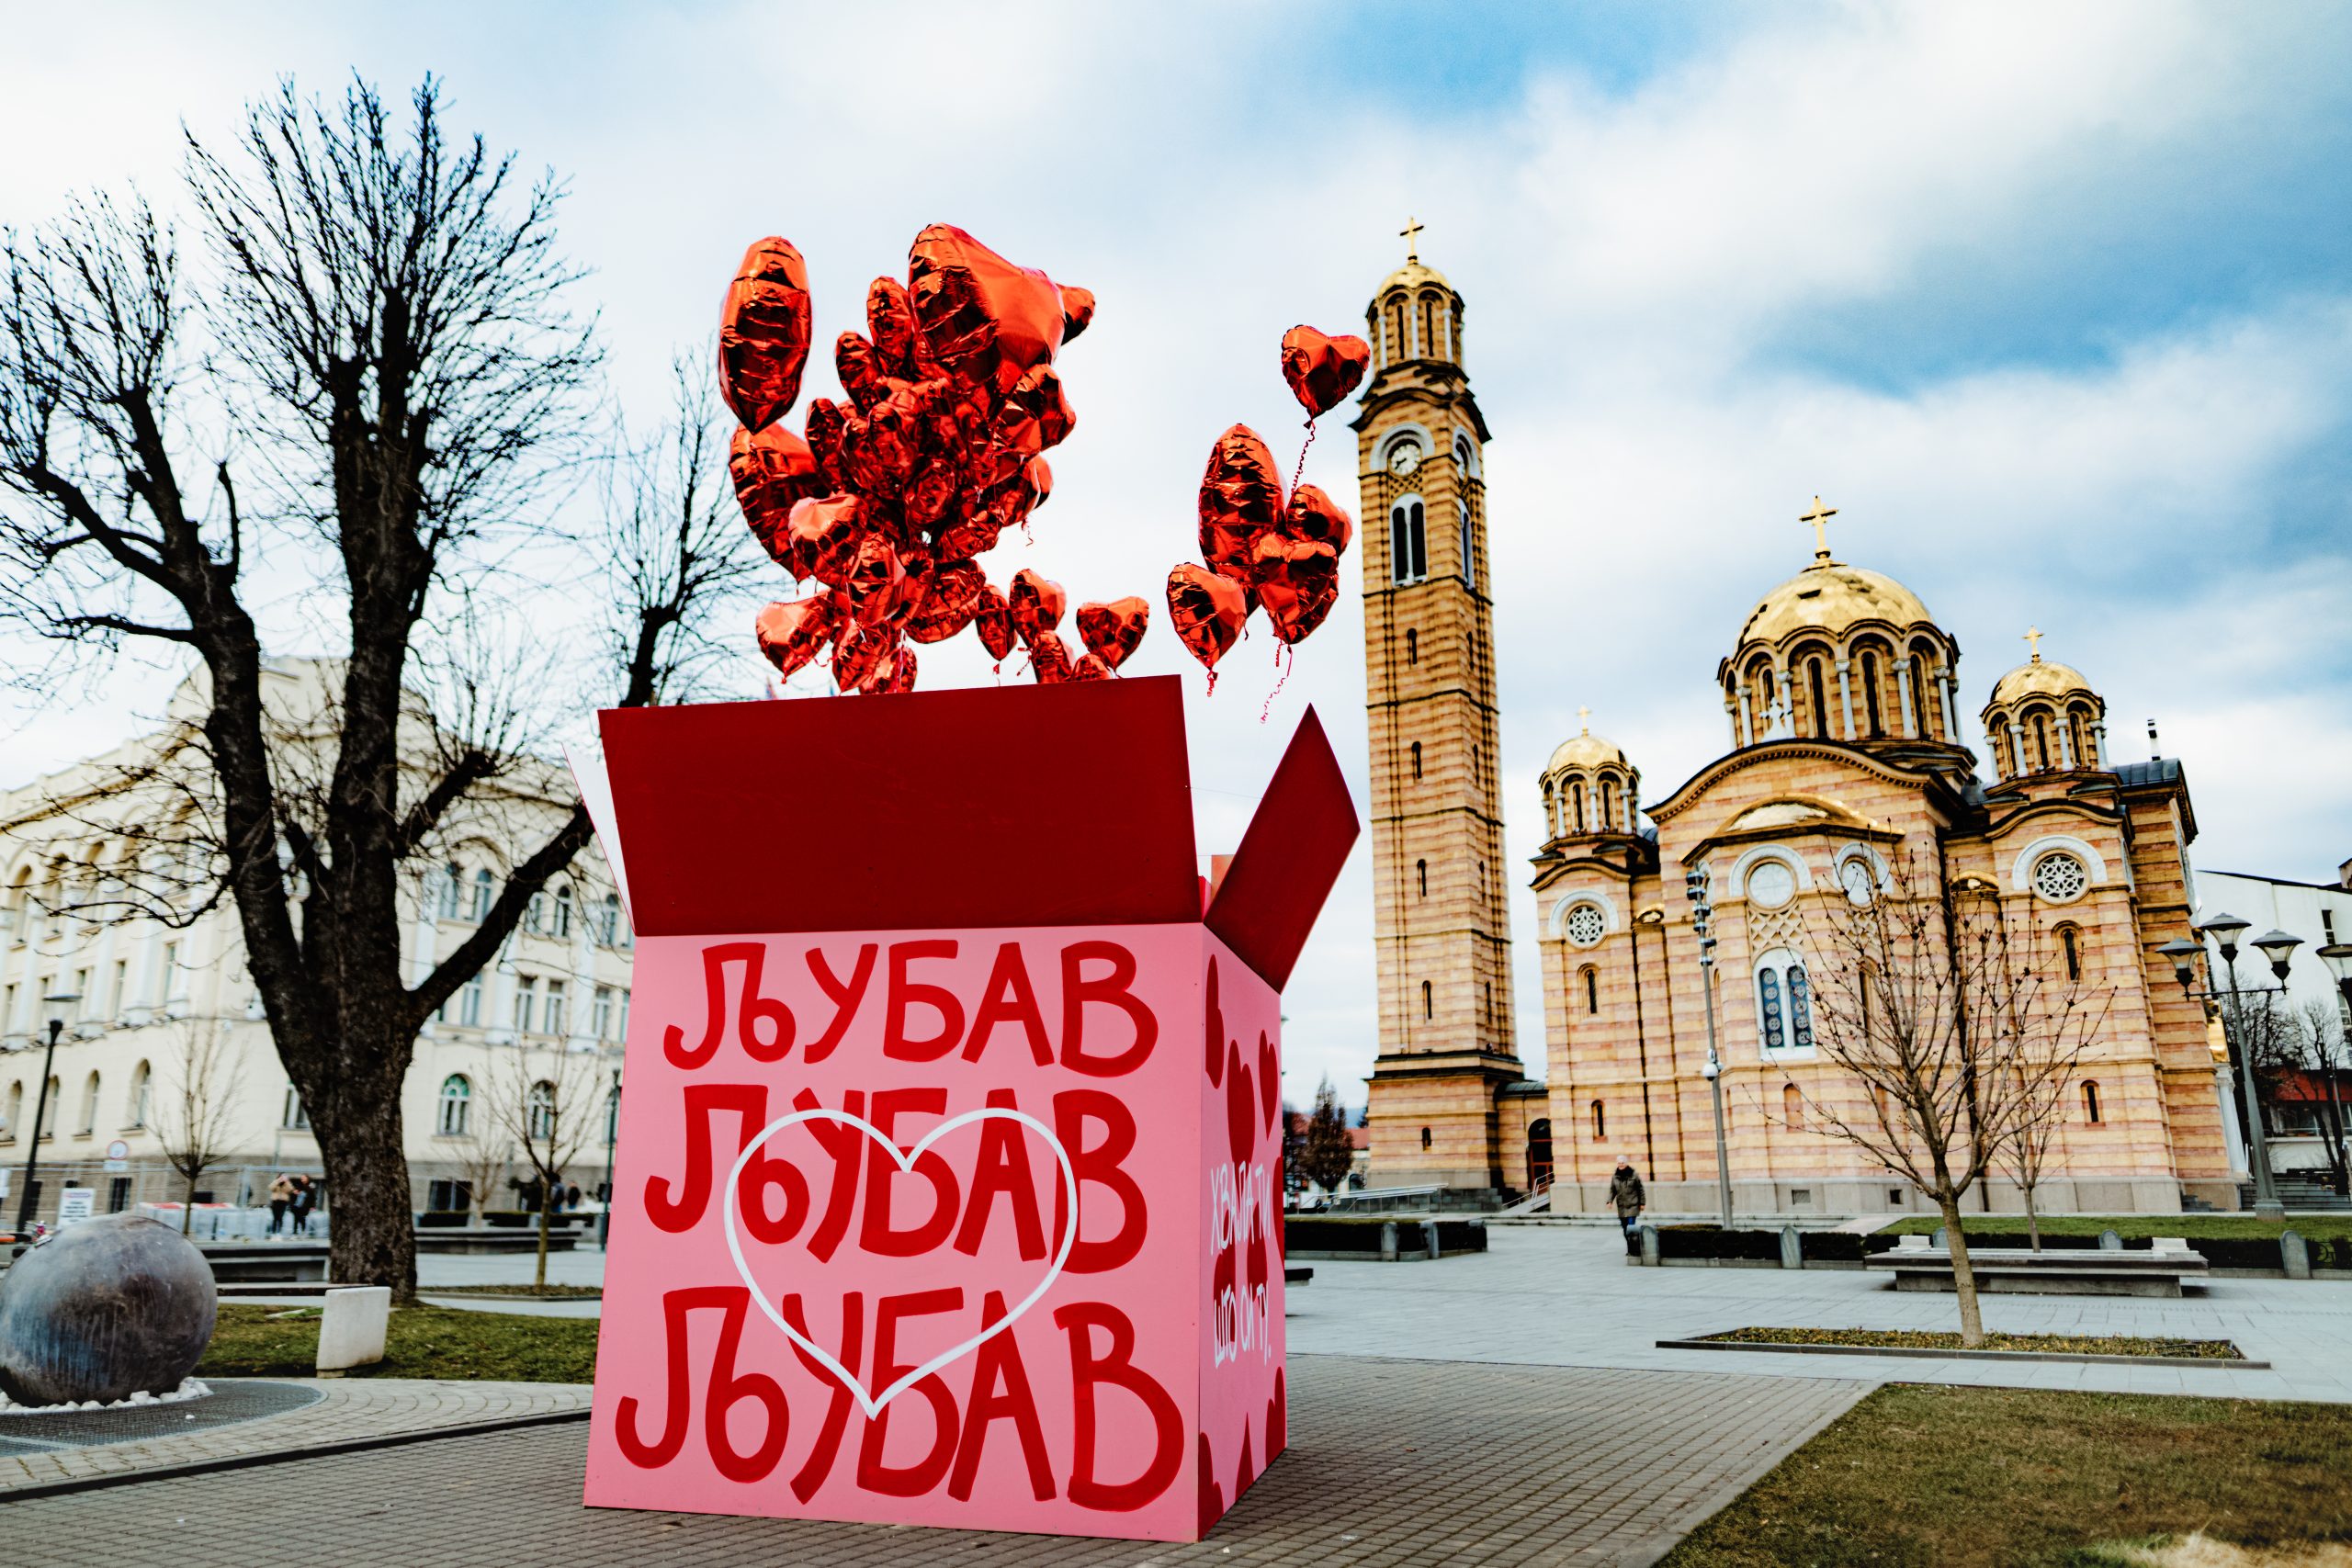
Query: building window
x=534, y=913
x=556, y=1019
x=1425, y=1137
x=483, y=886
x=526, y=1000
x=141, y=1079
x=1429, y=1004
x=624, y=1034
x=1919, y=697
x=2070, y=944
x=1771, y=884
x=470, y=1013
x=1599, y=1122
x=542, y=1109
x=89, y=1107
x=1591, y=990
x=1792, y=1107
x=456, y=1118
x=2090, y=1104
x=2041, y=743
x=1783, y=1003
x=452, y=888
x=119, y=989
x=601, y=1013
x=1820, y=699
x=15, y=1109
x=1408, y=546
x=563, y=912
x=2060, y=877
x=1869, y=696
x=291, y=1115
x=1421, y=870
x=1575, y=803
x=612, y=1117
x=1586, y=925
x=1412, y=646
x=1417, y=758
x=610, y=922
x=1469, y=560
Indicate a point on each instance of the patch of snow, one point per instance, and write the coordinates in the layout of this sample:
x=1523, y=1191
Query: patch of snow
x=190, y=1388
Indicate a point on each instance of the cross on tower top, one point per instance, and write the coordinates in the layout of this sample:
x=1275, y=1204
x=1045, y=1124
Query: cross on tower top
x=1412, y=234
x=1819, y=517
x=2032, y=640
x=1583, y=720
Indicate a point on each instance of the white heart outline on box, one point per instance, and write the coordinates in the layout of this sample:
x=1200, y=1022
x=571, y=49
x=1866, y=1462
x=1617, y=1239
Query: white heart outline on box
x=906, y=1162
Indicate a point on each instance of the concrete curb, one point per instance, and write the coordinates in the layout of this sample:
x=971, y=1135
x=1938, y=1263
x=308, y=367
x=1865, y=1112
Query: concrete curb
x=1927, y=1355
x=283, y=1456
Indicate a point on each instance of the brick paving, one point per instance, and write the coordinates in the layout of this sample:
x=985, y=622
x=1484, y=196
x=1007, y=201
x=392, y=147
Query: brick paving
x=346, y=1409
x=1391, y=1461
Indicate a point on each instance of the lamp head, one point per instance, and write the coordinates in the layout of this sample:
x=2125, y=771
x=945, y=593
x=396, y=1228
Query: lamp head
x=2183, y=953
x=2279, y=946
x=2223, y=931
x=2339, y=960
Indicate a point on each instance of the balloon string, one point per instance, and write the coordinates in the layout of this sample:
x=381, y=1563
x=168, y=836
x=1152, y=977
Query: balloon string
x=1212, y=683
x=1284, y=658
x=1300, y=473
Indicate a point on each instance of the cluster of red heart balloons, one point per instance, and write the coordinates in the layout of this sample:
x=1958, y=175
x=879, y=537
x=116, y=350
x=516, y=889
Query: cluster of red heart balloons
x=1259, y=549
x=888, y=500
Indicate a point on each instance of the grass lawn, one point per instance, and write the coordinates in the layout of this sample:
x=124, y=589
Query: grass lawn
x=2236, y=1227
x=1973, y=1477
x=1915, y=1339
x=422, y=1342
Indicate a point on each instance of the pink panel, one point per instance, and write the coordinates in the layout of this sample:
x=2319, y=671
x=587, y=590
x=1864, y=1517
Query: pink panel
x=888, y=1226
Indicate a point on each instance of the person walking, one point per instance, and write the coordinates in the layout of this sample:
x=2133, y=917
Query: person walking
x=1625, y=1192
x=281, y=1193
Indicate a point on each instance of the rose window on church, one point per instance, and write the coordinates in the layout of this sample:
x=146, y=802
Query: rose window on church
x=1860, y=886
x=1771, y=884
x=2060, y=877
x=1586, y=925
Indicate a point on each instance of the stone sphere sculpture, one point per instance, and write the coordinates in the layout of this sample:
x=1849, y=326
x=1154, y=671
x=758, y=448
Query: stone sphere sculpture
x=102, y=1310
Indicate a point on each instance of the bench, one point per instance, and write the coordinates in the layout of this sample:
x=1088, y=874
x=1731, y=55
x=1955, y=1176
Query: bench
x=1919, y=1265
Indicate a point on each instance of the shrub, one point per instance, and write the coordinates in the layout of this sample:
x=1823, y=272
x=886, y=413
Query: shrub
x=2236, y=1253
x=442, y=1219
x=1713, y=1241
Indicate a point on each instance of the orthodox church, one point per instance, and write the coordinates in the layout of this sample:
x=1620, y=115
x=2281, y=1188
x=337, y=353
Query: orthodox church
x=1845, y=757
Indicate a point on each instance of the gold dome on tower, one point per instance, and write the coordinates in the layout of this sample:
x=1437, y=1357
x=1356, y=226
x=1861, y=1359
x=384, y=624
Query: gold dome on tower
x=1831, y=596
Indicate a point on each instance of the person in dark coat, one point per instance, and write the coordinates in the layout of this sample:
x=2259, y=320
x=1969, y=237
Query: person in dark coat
x=1625, y=1192
x=306, y=1197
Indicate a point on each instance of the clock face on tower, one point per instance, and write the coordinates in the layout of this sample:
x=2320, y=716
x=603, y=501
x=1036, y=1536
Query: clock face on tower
x=1404, y=457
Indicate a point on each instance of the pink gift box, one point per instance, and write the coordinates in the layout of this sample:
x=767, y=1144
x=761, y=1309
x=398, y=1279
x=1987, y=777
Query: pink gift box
x=949, y=1185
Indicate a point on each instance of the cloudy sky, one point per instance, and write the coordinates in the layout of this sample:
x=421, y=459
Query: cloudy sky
x=2053, y=302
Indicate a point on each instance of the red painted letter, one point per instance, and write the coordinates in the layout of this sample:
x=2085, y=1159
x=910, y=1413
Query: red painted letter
x=1078, y=1320
x=904, y=992
x=1077, y=991
x=911, y=1480
x=1010, y=999
x=1073, y=1108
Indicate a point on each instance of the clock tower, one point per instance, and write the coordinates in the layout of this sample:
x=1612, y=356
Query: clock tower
x=1440, y=910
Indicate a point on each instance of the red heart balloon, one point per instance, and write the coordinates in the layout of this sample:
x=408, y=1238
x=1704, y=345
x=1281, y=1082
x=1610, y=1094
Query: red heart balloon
x=1037, y=606
x=822, y=539
x=1078, y=310
x=876, y=581
x=1039, y=478
x=1035, y=414
x=1110, y=631
x=1297, y=582
x=773, y=471
x=954, y=598
x=1089, y=667
x=861, y=654
x=1241, y=499
x=992, y=619
x=860, y=369
x=1049, y=660
x=894, y=672
x=1322, y=370
x=1312, y=514
x=890, y=323
x=1206, y=611
x=983, y=318
x=825, y=424
x=791, y=633
x=763, y=332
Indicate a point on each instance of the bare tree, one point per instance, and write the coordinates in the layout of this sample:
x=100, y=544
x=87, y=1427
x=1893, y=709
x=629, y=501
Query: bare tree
x=195, y=1119
x=2322, y=1050
x=1327, y=1154
x=2044, y=1017
x=1930, y=1003
x=484, y=1152
x=544, y=1101
x=366, y=401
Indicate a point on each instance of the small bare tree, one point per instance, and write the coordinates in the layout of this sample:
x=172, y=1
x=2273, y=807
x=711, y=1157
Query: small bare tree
x=544, y=1101
x=2323, y=1050
x=1927, y=999
x=483, y=1154
x=2046, y=1019
x=199, y=1107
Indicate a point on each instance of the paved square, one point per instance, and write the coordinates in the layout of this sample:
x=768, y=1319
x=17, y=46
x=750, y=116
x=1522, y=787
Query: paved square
x=1390, y=1462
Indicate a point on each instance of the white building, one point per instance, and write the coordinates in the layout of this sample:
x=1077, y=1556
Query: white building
x=2321, y=914
x=149, y=995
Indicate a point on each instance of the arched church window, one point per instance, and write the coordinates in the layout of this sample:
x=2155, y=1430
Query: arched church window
x=1428, y=325
x=1820, y=697
x=2070, y=947
x=1600, y=1121
x=1417, y=758
x=2090, y=1103
x=1792, y=1107
x=1421, y=870
x=2079, y=733
x=1412, y=646
x=2041, y=743
x=1761, y=718
x=1783, y=1003
x=1575, y=803
x=1408, y=549
x=1425, y=1137
x=1608, y=806
x=1919, y=709
x=1591, y=990
x=1469, y=560
x=1428, y=1003
x=1400, y=343
x=1876, y=727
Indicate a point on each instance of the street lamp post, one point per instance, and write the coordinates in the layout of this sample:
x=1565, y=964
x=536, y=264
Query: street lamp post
x=2339, y=960
x=2224, y=930
x=1694, y=881
x=58, y=1004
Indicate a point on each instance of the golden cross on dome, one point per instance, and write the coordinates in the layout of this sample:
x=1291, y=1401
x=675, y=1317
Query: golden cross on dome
x=2032, y=640
x=1583, y=720
x=1818, y=516
x=1412, y=234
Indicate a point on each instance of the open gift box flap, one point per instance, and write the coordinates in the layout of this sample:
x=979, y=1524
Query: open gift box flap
x=959, y=809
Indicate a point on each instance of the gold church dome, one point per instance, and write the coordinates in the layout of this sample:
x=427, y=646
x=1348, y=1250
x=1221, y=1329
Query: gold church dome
x=1586, y=750
x=1831, y=596
x=2039, y=677
x=1412, y=275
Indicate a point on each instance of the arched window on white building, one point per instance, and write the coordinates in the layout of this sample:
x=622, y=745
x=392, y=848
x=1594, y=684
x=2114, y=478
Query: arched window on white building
x=89, y=1122
x=457, y=1106
x=140, y=1080
x=485, y=887
x=542, y=1109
